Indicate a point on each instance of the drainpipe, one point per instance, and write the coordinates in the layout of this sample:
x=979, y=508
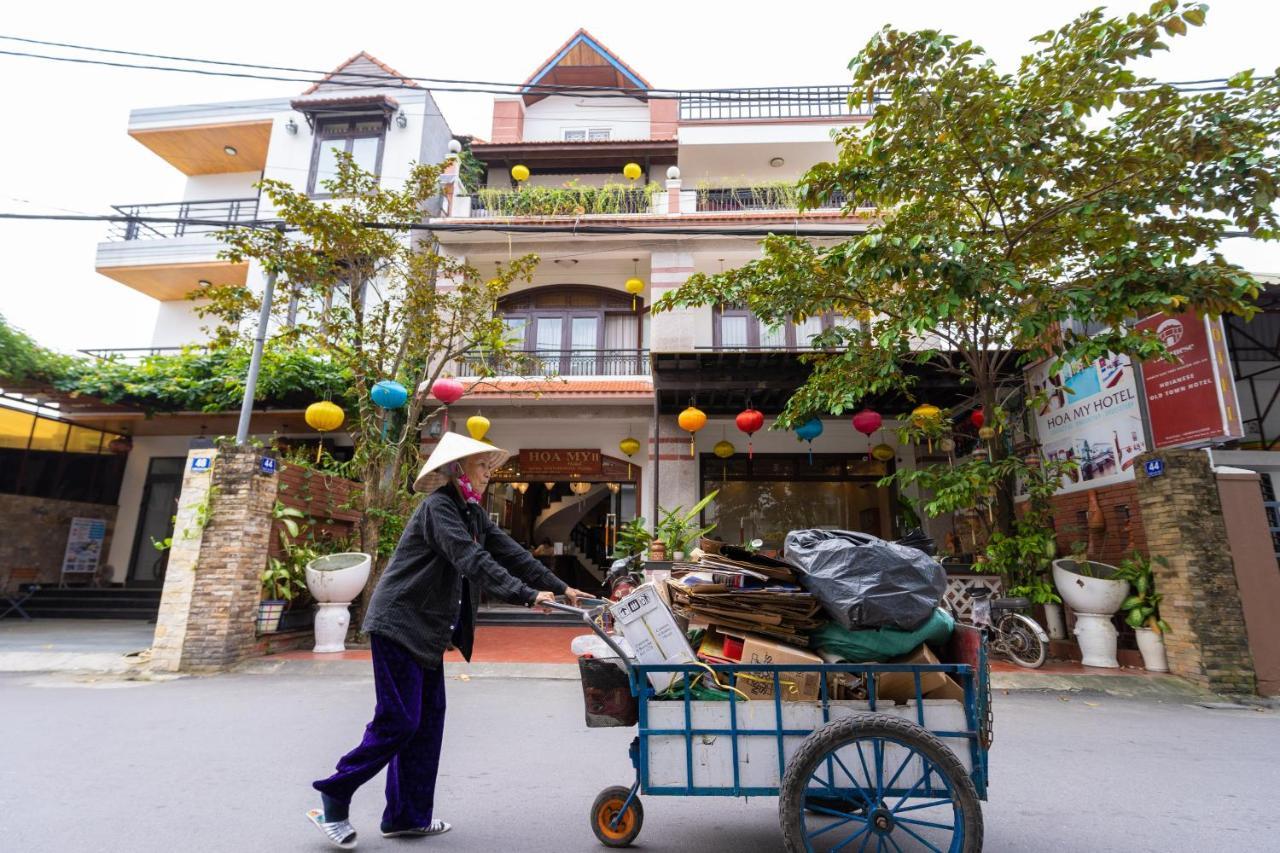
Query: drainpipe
x=255, y=362
x=657, y=454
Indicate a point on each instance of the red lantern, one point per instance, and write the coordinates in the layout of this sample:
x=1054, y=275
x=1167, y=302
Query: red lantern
x=447, y=391
x=867, y=422
x=977, y=418
x=749, y=421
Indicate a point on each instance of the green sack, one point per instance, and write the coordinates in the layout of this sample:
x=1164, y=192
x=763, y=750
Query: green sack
x=878, y=645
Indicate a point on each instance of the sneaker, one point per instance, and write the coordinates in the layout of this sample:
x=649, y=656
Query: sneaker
x=436, y=827
x=340, y=833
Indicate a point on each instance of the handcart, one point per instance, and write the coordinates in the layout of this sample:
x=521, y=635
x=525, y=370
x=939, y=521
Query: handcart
x=850, y=774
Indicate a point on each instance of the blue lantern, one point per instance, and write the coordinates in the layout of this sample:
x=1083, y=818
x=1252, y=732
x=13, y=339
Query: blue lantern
x=808, y=431
x=389, y=394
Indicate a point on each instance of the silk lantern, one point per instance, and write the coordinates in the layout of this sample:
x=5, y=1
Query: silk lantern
x=478, y=426
x=389, y=394
x=520, y=172
x=867, y=422
x=634, y=286
x=808, y=431
x=323, y=417
x=977, y=418
x=723, y=450
x=629, y=446
x=448, y=391
x=691, y=420
x=632, y=171
x=749, y=421
x=923, y=417
x=882, y=453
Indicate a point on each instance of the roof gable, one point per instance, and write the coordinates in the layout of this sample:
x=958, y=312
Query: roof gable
x=584, y=61
x=361, y=70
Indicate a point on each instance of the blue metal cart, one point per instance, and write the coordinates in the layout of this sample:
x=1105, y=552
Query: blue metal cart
x=850, y=775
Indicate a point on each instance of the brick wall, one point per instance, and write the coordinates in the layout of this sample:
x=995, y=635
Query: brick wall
x=326, y=500
x=35, y=534
x=1182, y=509
x=1125, y=531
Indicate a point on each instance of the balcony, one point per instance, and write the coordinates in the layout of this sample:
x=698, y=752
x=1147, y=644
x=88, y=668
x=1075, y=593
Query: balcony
x=570, y=201
x=779, y=196
x=182, y=218
x=579, y=362
x=793, y=102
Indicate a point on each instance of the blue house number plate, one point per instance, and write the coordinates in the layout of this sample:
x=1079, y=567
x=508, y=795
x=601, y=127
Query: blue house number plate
x=1154, y=467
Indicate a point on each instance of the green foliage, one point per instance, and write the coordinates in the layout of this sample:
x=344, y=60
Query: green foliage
x=1142, y=609
x=1013, y=209
x=769, y=195
x=22, y=359
x=471, y=170
x=209, y=380
x=633, y=538
x=572, y=199
x=678, y=530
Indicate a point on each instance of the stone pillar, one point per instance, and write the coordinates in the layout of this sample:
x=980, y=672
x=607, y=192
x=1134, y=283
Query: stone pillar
x=208, y=609
x=1182, y=513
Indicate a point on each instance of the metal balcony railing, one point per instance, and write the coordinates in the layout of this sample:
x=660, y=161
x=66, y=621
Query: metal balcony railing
x=770, y=197
x=186, y=218
x=581, y=362
x=771, y=103
x=553, y=201
x=132, y=354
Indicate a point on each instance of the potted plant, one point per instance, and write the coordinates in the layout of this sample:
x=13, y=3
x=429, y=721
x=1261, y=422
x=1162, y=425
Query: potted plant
x=1142, y=609
x=281, y=581
x=1094, y=593
x=678, y=530
x=1039, y=591
x=633, y=539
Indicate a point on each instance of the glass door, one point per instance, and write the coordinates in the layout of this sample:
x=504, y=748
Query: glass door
x=155, y=520
x=584, y=335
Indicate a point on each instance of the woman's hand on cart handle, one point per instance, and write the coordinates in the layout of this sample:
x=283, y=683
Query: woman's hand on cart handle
x=574, y=596
x=542, y=599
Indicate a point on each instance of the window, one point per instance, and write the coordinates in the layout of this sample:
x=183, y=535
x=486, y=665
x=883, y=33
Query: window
x=362, y=138
x=737, y=328
x=585, y=134
x=576, y=330
x=47, y=458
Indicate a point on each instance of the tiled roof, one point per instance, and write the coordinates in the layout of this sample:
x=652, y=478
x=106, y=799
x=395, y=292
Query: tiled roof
x=583, y=32
x=343, y=100
x=368, y=57
x=562, y=387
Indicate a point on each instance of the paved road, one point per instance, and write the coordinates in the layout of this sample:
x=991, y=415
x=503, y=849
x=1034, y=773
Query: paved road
x=223, y=764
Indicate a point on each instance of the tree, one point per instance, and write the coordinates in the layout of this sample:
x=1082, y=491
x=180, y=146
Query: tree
x=1015, y=210
x=380, y=301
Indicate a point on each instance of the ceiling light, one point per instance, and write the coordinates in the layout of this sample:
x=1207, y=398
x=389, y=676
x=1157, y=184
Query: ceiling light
x=230, y=150
x=565, y=262
x=402, y=120
x=776, y=162
x=204, y=282
x=291, y=127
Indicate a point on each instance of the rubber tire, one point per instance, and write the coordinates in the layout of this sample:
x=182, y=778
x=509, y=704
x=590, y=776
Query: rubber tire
x=831, y=737
x=1024, y=625
x=617, y=794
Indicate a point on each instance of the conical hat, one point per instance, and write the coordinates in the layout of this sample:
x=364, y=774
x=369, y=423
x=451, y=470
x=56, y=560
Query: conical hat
x=453, y=447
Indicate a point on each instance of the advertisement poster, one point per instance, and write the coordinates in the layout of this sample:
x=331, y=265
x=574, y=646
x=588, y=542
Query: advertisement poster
x=84, y=546
x=1191, y=401
x=1091, y=415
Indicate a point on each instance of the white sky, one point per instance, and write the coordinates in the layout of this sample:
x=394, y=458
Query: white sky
x=65, y=147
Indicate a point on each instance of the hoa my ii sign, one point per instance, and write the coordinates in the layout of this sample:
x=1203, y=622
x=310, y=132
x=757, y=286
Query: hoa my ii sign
x=563, y=463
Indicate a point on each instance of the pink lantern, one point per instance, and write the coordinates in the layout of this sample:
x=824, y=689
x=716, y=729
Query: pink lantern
x=447, y=391
x=867, y=422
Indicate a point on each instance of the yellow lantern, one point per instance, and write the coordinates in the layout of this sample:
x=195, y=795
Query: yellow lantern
x=629, y=446
x=724, y=449
x=691, y=420
x=632, y=171
x=520, y=172
x=478, y=426
x=882, y=453
x=323, y=417
x=634, y=286
x=987, y=433
x=923, y=417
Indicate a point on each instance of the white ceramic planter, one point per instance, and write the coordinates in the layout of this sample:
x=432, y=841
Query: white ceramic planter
x=1097, y=638
x=1151, y=644
x=1056, y=623
x=1098, y=594
x=334, y=581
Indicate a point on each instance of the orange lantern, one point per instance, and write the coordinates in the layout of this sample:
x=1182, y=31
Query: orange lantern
x=691, y=420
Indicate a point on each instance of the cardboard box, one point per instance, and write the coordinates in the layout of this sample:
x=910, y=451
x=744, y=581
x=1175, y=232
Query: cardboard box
x=901, y=686
x=950, y=690
x=651, y=629
x=796, y=686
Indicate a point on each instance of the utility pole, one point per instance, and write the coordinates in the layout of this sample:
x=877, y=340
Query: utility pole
x=255, y=361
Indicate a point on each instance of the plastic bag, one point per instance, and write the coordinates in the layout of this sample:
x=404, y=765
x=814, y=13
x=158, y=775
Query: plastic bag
x=866, y=582
x=877, y=645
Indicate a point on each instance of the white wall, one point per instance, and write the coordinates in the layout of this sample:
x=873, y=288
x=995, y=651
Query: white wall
x=178, y=325
x=626, y=118
x=224, y=186
x=131, y=489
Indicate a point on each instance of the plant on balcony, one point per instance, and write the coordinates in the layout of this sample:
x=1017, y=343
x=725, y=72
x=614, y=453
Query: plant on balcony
x=23, y=360
x=766, y=195
x=571, y=199
x=1069, y=193
x=358, y=286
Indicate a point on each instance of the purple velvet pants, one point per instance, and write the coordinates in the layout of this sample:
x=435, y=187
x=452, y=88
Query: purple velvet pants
x=404, y=737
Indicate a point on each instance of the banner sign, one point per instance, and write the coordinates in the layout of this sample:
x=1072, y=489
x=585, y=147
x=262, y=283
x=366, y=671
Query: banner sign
x=84, y=546
x=1091, y=415
x=563, y=463
x=1191, y=401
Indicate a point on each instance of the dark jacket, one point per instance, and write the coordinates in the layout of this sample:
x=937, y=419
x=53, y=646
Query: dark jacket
x=418, y=599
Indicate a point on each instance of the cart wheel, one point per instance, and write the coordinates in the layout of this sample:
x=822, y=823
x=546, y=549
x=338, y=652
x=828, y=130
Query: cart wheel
x=1021, y=641
x=878, y=780
x=606, y=807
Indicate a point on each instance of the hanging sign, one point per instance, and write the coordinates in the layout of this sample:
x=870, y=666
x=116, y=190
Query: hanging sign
x=1090, y=415
x=560, y=462
x=84, y=546
x=1191, y=401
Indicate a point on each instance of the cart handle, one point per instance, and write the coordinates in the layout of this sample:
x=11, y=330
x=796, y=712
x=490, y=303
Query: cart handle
x=589, y=617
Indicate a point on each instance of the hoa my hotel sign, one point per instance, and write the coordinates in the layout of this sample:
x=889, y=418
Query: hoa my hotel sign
x=560, y=462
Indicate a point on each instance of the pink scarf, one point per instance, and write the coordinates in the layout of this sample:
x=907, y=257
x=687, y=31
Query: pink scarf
x=468, y=491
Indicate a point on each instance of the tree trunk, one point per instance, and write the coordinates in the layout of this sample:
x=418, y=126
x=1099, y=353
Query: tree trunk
x=996, y=449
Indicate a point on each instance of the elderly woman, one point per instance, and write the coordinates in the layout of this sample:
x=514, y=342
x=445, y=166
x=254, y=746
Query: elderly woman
x=425, y=603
